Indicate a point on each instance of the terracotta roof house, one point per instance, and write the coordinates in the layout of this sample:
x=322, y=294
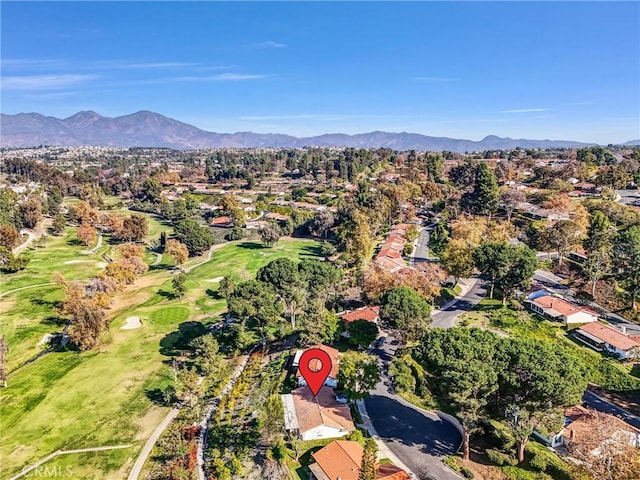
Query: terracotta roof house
x=559, y=309
x=341, y=460
x=332, y=378
x=315, y=418
x=370, y=314
x=606, y=338
x=224, y=222
x=576, y=426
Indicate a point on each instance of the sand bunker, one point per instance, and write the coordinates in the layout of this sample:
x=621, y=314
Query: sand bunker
x=101, y=264
x=214, y=280
x=131, y=323
x=45, y=339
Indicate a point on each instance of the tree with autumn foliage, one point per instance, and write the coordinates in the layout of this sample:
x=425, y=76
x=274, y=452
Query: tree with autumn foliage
x=608, y=451
x=87, y=234
x=176, y=250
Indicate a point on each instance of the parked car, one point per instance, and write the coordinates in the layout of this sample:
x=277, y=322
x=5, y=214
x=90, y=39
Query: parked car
x=380, y=341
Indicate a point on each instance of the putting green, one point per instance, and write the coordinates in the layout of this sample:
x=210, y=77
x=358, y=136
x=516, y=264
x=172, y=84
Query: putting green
x=169, y=315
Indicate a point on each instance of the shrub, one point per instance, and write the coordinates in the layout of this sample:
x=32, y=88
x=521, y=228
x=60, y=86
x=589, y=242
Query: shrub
x=236, y=233
x=539, y=461
x=452, y=462
x=499, y=458
x=466, y=473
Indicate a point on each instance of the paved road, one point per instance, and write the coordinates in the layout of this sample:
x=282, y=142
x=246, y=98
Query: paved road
x=592, y=400
x=418, y=438
x=421, y=252
x=446, y=318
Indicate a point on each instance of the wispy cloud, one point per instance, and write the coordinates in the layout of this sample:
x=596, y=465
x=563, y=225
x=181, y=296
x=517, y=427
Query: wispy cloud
x=525, y=110
x=266, y=44
x=45, y=82
x=435, y=79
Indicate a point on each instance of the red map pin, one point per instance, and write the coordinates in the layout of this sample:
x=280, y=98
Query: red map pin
x=315, y=365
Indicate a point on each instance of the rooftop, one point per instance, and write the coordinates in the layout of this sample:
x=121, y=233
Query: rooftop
x=610, y=335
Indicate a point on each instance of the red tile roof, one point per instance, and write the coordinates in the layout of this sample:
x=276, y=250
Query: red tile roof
x=334, y=354
x=340, y=460
x=562, y=306
x=391, y=472
x=610, y=335
x=370, y=314
x=323, y=409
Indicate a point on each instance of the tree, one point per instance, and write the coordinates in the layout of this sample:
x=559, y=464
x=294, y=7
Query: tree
x=177, y=250
x=255, y=301
x=232, y=208
x=510, y=199
x=188, y=387
x=562, y=236
x=354, y=237
x=30, y=212
x=59, y=223
x=206, y=354
x=82, y=212
x=327, y=249
x=318, y=325
x=197, y=238
x=600, y=232
x=54, y=200
x=9, y=236
x=283, y=275
x=178, y=284
x=10, y=263
x=457, y=259
x=403, y=309
x=613, y=176
x=508, y=266
x=608, y=451
x=595, y=267
x=151, y=190
x=227, y=285
x=433, y=166
x=359, y=373
x=87, y=234
x=362, y=333
x=321, y=223
x=469, y=385
x=537, y=382
x=483, y=200
x=369, y=463
x=627, y=261
x=134, y=228
x=269, y=234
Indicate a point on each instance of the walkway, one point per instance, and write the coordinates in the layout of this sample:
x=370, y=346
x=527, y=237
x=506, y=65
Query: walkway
x=146, y=450
x=24, y=245
x=3, y=294
x=94, y=249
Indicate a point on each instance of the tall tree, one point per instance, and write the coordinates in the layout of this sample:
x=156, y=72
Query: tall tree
x=178, y=284
x=510, y=199
x=562, y=236
x=362, y=333
x=269, y=234
x=600, y=233
x=30, y=212
x=197, y=238
x=457, y=259
x=9, y=236
x=369, y=463
x=595, y=267
x=359, y=373
x=283, y=275
x=177, y=250
x=404, y=310
x=321, y=223
x=87, y=234
x=483, y=199
x=256, y=302
x=627, y=261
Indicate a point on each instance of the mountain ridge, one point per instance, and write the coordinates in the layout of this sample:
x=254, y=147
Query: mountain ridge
x=149, y=129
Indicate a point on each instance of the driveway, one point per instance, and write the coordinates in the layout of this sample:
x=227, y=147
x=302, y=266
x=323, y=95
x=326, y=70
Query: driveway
x=420, y=439
x=446, y=318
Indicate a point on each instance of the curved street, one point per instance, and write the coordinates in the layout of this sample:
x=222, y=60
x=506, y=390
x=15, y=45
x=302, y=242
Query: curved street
x=420, y=439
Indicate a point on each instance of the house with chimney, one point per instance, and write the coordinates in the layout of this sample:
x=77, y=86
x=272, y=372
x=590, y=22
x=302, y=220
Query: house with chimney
x=558, y=309
x=608, y=339
x=577, y=425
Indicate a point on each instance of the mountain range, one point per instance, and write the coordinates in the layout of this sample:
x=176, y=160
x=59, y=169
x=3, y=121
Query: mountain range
x=149, y=129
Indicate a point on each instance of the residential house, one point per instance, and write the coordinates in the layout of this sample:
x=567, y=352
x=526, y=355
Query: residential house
x=576, y=425
x=370, y=314
x=605, y=338
x=332, y=378
x=223, y=222
x=341, y=460
x=316, y=418
x=559, y=309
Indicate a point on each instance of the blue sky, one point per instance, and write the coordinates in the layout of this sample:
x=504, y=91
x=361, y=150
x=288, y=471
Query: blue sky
x=465, y=70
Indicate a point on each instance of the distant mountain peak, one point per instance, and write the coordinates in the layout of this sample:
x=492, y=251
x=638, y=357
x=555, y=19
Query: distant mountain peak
x=150, y=129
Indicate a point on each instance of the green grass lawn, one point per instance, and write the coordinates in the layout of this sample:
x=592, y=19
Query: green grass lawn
x=68, y=400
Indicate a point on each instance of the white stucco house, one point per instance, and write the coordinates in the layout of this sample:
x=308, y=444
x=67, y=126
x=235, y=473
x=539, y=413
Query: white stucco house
x=605, y=338
x=559, y=309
